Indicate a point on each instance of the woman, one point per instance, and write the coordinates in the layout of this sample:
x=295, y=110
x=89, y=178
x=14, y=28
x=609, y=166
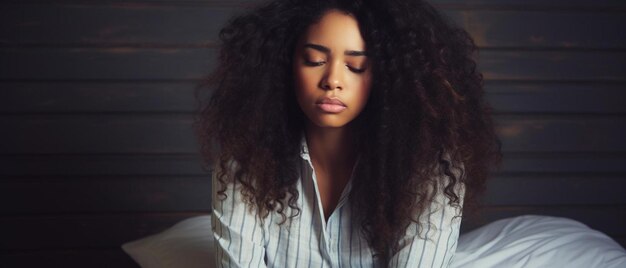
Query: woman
x=346, y=133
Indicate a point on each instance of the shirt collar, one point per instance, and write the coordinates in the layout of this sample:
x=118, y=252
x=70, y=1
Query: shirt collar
x=304, y=153
x=304, y=149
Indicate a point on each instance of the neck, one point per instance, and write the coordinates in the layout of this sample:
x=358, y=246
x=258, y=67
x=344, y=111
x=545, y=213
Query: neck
x=331, y=149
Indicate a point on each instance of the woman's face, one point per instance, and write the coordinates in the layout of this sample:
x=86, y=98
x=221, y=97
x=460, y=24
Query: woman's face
x=332, y=72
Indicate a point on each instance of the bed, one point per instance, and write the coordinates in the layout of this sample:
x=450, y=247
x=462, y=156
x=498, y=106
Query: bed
x=524, y=241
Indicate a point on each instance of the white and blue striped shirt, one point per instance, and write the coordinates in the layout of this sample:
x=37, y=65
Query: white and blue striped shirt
x=309, y=241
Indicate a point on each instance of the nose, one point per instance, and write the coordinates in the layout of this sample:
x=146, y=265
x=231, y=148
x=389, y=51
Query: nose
x=333, y=77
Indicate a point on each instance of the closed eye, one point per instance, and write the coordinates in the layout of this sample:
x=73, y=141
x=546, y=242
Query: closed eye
x=356, y=70
x=313, y=63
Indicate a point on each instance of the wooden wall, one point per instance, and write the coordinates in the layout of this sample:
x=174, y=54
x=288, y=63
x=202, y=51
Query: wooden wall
x=96, y=106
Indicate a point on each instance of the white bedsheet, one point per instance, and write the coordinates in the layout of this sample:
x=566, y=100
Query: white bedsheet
x=525, y=241
x=538, y=241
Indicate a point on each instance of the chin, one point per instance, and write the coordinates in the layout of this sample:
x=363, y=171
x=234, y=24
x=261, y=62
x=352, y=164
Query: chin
x=330, y=123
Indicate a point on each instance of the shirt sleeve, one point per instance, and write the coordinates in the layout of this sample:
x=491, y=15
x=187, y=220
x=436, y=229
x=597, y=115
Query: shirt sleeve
x=436, y=244
x=239, y=235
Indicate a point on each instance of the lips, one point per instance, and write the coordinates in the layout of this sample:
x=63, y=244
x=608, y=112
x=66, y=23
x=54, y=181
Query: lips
x=331, y=105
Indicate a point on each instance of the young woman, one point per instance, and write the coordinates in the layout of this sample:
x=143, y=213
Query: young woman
x=344, y=133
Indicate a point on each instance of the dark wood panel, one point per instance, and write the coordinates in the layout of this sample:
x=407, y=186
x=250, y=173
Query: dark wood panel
x=544, y=29
x=199, y=25
x=553, y=65
x=549, y=190
x=121, y=24
x=105, y=63
x=523, y=3
x=82, y=231
x=109, y=194
x=141, y=133
x=172, y=194
x=191, y=164
x=536, y=97
x=90, y=97
x=572, y=163
x=69, y=258
x=195, y=63
x=470, y=3
x=561, y=134
x=98, y=134
x=98, y=96
x=104, y=165
x=620, y=240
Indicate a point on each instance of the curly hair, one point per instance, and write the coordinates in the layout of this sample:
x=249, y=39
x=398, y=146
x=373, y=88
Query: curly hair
x=425, y=117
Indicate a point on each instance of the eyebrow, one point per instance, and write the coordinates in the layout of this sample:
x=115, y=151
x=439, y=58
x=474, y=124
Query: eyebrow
x=327, y=50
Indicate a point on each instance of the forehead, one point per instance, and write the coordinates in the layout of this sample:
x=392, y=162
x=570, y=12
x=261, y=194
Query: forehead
x=335, y=29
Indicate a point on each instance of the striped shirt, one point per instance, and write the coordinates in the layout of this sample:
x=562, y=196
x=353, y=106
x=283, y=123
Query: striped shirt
x=309, y=241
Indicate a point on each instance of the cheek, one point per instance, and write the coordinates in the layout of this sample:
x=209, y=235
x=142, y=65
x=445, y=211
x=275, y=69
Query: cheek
x=363, y=91
x=305, y=83
x=302, y=88
x=363, y=97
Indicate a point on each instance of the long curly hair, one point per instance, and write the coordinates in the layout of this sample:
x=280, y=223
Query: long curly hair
x=425, y=117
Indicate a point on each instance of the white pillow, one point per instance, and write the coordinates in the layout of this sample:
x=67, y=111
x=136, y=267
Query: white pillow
x=187, y=244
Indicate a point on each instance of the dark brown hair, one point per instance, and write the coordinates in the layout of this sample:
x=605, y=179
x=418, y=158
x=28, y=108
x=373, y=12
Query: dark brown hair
x=425, y=116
